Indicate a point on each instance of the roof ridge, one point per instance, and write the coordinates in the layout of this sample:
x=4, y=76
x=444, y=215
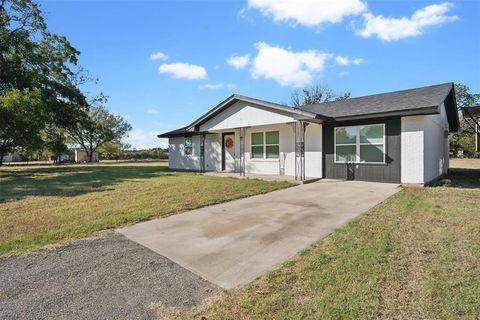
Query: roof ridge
x=383, y=93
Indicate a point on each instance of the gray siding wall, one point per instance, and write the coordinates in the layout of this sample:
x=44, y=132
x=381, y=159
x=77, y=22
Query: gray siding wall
x=389, y=172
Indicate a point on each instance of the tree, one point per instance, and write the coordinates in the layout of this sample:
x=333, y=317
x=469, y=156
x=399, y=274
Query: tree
x=315, y=94
x=97, y=127
x=464, y=139
x=55, y=142
x=113, y=149
x=31, y=58
x=20, y=120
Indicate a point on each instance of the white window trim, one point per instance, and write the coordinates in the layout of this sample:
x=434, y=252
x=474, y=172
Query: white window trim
x=264, y=145
x=357, y=144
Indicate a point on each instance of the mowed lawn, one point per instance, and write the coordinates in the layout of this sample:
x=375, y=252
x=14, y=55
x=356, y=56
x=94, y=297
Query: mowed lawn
x=41, y=205
x=414, y=256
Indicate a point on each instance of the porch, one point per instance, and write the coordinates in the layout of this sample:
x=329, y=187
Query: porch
x=266, y=177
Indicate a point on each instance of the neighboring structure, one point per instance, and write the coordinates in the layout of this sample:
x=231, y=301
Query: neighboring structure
x=399, y=137
x=472, y=115
x=81, y=156
x=12, y=157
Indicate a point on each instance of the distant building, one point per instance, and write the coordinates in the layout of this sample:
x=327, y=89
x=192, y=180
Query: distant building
x=12, y=157
x=81, y=156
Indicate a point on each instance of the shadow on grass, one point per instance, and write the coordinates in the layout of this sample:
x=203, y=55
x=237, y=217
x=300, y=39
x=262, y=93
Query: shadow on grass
x=71, y=180
x=462, y=178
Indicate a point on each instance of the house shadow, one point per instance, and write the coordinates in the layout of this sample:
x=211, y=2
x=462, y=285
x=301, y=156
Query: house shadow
x=69, y=181
x=461, y=178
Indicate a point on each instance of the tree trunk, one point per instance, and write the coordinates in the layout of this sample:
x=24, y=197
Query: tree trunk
x=2, y=151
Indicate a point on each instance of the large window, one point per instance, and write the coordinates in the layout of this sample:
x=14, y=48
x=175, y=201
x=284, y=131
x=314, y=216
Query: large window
x=188, y=146
x=265, y=145
x=364, y=144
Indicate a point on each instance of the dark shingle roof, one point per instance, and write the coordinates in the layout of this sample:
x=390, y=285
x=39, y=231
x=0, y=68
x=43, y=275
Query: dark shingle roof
x=416, y=99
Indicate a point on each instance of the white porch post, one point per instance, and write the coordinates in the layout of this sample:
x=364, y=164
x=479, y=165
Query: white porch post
x=300, y=128
x=242, y=151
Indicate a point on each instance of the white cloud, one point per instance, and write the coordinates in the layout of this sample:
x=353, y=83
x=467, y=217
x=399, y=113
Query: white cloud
x=215, y=86
x=181, y=70
x=239, y=62
x=345, y=61
x=152, y=111
x=286, y=67
x=309, y=13
x=389, y=29
x=357, y=61
x=158, y=56
x=141, y=139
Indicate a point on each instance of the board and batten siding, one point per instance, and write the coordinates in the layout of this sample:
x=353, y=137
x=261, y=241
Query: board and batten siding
x=388, y=172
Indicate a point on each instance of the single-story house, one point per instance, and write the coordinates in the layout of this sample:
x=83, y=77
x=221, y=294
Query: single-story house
x=399, y=137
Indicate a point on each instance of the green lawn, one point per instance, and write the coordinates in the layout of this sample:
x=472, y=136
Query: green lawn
x=414, y=256
x=41, y=205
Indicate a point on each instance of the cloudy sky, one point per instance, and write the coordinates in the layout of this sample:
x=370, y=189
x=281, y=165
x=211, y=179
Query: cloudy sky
x=164, y=63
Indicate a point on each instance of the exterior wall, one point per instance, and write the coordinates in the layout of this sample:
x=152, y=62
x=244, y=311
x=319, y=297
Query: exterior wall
x=425, y=147
x=388, y=172
x=81, y=156
x=176, y=154
x=436, y=145
x=242, y=114
x=213, y=151
x=12, y=157
x=412, y=149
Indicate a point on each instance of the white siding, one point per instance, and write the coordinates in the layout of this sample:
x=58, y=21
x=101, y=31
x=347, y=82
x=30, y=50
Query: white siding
x=424, y=147
x=213, y=151
x=412, y=150
x=436, y=145
x=176, y=154
x=242, y=114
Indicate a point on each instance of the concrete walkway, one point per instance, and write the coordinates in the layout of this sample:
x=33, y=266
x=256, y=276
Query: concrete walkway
x=231, y=244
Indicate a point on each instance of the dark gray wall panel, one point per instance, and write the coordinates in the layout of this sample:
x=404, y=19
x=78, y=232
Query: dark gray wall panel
x=389, y=172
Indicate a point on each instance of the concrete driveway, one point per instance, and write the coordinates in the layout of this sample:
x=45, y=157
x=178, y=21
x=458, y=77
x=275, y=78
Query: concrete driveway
x=231, y=244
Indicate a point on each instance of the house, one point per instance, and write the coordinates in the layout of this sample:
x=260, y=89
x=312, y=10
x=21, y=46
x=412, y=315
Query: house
x=81, y=156
x=399, y=137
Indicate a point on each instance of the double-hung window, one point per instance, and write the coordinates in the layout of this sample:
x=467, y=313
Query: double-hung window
x=265, y=145
x=188, y=146
x=361, y=144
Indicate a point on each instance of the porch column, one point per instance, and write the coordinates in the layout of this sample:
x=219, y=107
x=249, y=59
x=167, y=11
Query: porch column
x=202, y=153
x=242, y=152
x=300, y=128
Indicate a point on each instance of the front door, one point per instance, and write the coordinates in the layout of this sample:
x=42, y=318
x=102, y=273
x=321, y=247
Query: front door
x=228, y=151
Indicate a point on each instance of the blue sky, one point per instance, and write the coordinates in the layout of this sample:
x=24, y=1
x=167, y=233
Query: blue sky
x=164, y=63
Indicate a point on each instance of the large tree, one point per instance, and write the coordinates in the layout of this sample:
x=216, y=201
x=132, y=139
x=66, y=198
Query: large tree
x=31, y=58
x=98, y=127
x=315, y=94
x=20, y=120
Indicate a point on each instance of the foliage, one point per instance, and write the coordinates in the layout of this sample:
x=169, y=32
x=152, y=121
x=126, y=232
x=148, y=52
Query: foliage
x=464, y=139
x=154, y=153
x=315, y=94
x=20, y=120
x=38, y=65
x=113, y=150
x=55, y=142
x=97, y=127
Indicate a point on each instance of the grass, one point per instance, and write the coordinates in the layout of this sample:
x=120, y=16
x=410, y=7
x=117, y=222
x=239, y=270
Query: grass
x=414, y=256
x=42, y=205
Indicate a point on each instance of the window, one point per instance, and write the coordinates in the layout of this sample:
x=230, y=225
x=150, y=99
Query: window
x=364, y=144
x=188, y=146
x=265, y=145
